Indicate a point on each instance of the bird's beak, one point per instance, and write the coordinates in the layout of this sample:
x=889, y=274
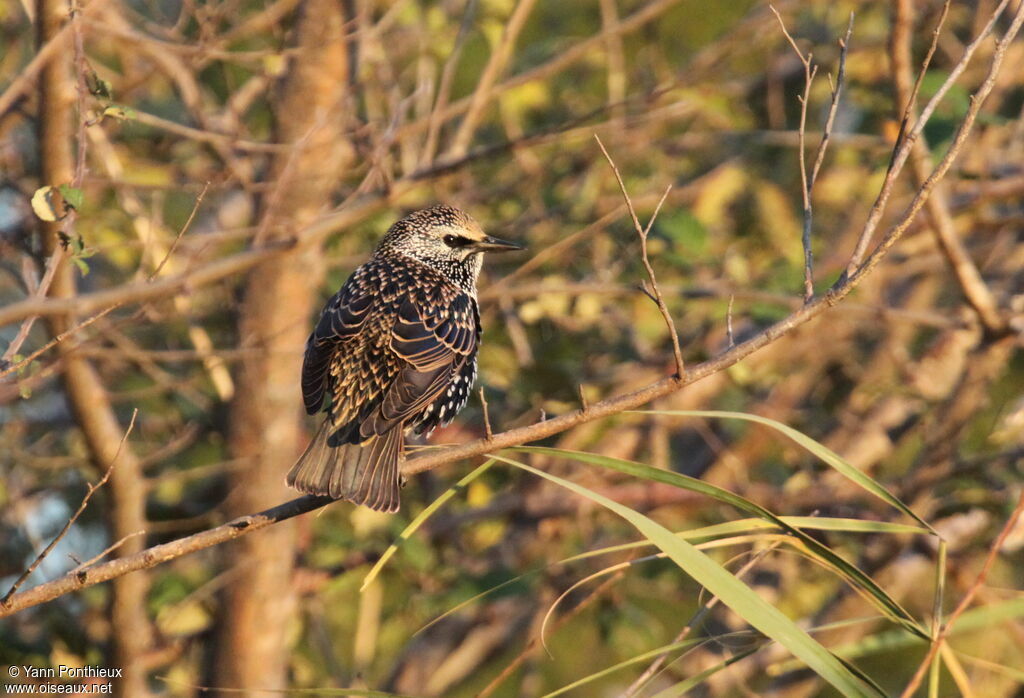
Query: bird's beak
x=489, y=244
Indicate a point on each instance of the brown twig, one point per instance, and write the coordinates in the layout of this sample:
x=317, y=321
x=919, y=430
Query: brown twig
x=109, y=549
x=5, y=602
x=728, y=322
x=957, y=144
x=642, y=233
x=973, y=286
x=937, y=643
x=26, y=326
x=485, y=86
x=807, y=180
x=904, y=142
x=60, y=337
x=444, y=87
x=27, y=77
x=487, y=417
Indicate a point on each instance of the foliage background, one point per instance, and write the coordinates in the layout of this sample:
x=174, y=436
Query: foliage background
x=492, y=105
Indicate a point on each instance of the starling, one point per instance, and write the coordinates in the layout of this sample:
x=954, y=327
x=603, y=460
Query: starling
x=394, y=350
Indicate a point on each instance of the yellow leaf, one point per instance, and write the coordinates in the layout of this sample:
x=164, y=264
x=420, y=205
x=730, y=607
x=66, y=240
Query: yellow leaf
x=48, y=204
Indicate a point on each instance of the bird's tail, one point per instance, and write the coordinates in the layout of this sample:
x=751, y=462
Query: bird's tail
x=360, y=473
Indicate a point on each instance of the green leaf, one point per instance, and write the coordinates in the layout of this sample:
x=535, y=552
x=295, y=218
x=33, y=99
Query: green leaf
x=118, y=111
x=827, y=455
x=82, y=265
x=97, y=86
x=730, y=590
x=73, y=196
x=857, y=578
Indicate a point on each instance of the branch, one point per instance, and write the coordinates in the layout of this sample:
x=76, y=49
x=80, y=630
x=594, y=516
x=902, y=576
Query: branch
x=60, y=337
x=973, y=286
x=807, y=181
x=26, y=79
x=642, y=234
x=5, y=601
x=903, y=142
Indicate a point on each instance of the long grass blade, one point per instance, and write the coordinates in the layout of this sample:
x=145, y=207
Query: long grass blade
x=860, y=581
x=824, y=453
x=730, y=590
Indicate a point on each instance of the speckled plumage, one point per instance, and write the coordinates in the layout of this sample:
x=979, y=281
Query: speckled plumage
x=395, y=349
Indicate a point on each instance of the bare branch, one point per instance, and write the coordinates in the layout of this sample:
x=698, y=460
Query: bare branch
x=495, y=66
x=642, y=234
x=977, y=293
x=487, y=417
x=60, y=337
x=92, y=489
x=903, y=145
x=27, y=77
x=837, y=88
x=728, y=322
x=109, y=549
x=807, y=180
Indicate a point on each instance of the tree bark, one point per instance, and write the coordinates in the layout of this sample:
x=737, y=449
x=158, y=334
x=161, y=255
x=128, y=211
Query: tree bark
x=131, y=635
x=266, y=416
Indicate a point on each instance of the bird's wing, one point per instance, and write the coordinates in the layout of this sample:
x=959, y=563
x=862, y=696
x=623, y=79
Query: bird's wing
x=341, y=324
x=434, y=334
x=388, y=343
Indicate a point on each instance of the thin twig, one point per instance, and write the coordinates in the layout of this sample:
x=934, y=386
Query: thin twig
x=642, y=234
x=903, y=144
x=27, y=77
x=583, y=397
x=807, y=180
x=837, y=88
x=181, y=233
x=26, y=326
x=972, y=284
x=957, y=144
x=109, y=549
x=1011, y=523
x=492, y=70
x=444, y=87
x=6, y=600
x=109, y=309
x=728, y=322
x=487, y=417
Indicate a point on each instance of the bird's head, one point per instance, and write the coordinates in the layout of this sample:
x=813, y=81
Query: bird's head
x=445, y=238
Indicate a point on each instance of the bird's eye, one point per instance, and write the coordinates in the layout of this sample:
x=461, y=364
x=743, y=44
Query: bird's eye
x=456, y=241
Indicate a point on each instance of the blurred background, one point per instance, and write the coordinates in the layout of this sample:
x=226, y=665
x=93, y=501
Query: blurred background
x=197, y=142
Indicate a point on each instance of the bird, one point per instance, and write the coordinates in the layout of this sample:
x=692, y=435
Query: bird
x=394, y=350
